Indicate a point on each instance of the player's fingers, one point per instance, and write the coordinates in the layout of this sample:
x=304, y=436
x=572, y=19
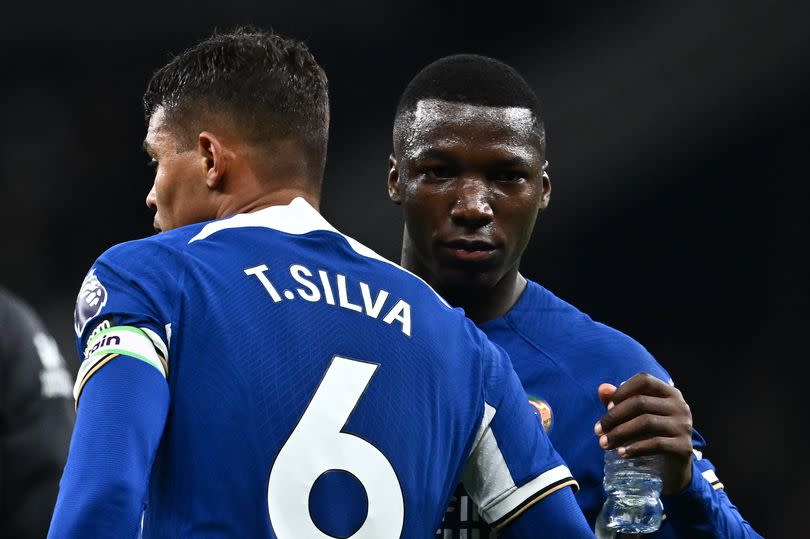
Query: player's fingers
x=656, y=446
x=606, y=392
x=635, y=406
x=641, y=428
x=643, y=384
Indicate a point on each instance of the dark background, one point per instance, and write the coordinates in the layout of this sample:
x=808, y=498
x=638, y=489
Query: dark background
x=678, y=138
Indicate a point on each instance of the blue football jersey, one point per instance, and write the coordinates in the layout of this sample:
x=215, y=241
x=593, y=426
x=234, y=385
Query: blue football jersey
x=316, y=389
x=561, y=357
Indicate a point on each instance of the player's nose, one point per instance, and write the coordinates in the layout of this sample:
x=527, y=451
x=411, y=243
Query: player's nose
x=151, y=199
x=472, y=206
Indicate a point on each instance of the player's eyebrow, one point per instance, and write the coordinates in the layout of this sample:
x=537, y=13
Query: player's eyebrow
x=433, y=153
x=509, y=162
x=512, y=161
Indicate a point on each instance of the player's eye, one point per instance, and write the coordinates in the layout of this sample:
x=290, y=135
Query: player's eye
x=438, y=172
x=508, y=176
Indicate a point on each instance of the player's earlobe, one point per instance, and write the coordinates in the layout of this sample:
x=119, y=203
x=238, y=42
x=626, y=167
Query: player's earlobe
x=213, y=158
x=545, y=194
x=393, y=180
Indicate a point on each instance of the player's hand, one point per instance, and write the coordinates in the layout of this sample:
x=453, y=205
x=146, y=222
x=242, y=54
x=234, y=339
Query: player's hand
x=647, y=416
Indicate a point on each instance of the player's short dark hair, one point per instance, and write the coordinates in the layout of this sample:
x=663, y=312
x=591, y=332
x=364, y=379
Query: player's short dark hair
x=470, y=79
x=270, y=86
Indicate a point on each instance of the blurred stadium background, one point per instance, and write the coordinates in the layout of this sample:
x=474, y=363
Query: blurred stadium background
x=678, y=136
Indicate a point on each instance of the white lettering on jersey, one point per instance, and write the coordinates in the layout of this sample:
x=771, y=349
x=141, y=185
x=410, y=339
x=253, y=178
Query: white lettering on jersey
x=343, y=294
x=401, y=312
x=311, y=293
x=258, y=271
x=373, y=309
x=327, y=288
x=374, y=303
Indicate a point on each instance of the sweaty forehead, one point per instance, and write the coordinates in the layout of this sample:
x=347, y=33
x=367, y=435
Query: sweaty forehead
x=156, y=132
x=436, y=120
x=162, y=135
x=430, y=112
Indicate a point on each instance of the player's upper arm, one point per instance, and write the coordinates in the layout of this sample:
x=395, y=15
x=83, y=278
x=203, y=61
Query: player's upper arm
x=631, y=358
x=125, y=307
x=513, y=464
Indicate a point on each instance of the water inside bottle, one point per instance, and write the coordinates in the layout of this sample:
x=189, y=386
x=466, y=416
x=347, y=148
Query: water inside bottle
x=633, y=504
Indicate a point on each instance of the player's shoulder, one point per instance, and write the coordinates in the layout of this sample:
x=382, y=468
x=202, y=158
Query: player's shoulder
x=587, y=345
x=166, y=247
x=151, y=267
x=542, y=315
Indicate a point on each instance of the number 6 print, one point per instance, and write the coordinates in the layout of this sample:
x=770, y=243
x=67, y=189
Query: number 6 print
x=317, y=445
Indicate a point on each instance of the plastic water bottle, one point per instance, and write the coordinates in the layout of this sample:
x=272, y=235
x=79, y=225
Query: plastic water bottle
x=633, y=488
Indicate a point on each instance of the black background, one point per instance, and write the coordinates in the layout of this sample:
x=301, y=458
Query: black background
x=677, y=137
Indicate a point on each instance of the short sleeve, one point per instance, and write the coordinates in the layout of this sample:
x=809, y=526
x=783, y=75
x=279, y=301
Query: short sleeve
x=124, y=307
x=513, y=464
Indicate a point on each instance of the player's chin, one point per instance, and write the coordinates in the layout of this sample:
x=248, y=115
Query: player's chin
x=469, y=276
x=480, y=270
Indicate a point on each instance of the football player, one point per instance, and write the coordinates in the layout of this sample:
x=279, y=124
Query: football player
x=252, y=372
x=469, y=170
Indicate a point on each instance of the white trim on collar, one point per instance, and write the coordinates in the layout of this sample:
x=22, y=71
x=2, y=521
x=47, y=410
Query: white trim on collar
x=297, y=217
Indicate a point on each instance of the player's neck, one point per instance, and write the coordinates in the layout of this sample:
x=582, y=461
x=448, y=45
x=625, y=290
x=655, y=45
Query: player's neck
x=482, y=304
x=265, y=199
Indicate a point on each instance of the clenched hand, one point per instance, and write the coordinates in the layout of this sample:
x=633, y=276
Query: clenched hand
x=646, y=416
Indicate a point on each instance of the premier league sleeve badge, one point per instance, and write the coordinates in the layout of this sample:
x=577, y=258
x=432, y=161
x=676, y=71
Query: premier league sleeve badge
x=92, y=298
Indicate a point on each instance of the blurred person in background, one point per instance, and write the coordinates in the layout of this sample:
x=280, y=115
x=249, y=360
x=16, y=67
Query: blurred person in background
x=216, y=395
x=469, y=170
x=36, y=419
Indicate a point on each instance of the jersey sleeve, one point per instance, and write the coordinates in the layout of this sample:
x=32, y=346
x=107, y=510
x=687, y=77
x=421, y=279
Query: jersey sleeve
x=124, y=307
x=513, y=464
x=631, y=358
x=558, y=516
x=123, y=311
x=703, y=509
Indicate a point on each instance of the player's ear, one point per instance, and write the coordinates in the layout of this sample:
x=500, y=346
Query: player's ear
x=545, y=194
x=213, y=158
x=393, y=180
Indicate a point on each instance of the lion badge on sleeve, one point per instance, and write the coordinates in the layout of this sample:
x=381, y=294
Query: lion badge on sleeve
x=92, y=298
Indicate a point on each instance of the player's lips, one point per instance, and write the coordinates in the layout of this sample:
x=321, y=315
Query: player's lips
x=468, y=250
